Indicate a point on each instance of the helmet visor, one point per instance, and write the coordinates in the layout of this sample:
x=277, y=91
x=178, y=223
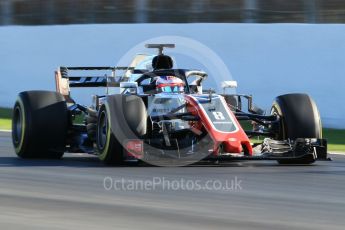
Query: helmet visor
x=170, y=88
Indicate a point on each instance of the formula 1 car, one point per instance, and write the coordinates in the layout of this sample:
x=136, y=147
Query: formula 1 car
x=155, y=113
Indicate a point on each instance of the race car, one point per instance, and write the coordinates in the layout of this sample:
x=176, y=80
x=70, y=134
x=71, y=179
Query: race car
x=155, y=113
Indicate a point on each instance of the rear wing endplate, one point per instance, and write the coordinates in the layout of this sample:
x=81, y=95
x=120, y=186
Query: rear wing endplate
x=64, y=80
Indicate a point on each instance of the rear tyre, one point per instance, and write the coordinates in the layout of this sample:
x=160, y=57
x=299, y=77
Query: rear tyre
x=300, y=118
x=121, y=118
x=39, y=125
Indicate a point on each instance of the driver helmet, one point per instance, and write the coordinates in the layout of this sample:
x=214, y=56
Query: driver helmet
x=169, y=84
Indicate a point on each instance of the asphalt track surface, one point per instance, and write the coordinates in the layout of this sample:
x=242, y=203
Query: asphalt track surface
x=70, y=194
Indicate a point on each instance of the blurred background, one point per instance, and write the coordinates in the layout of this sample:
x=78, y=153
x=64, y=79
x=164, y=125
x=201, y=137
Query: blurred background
x=271, y=47
x=48, y=12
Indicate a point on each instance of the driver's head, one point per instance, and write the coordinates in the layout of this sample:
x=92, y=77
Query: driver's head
x=169, y=84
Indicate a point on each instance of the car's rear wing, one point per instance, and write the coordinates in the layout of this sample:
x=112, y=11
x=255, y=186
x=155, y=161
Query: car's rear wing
x=64, y=80
x=106, y=80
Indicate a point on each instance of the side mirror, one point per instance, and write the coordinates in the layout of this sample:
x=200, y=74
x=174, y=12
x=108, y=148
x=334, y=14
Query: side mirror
x=229, y=84
x=130, y=87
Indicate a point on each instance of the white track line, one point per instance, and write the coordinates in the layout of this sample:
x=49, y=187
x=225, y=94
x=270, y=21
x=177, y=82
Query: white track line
x=7, y=131
x=335, y=153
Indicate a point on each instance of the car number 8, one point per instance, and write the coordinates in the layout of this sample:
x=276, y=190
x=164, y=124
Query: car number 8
x=218, y=116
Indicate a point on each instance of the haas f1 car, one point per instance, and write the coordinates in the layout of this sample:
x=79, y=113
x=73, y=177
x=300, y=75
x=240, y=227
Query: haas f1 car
x=153, y=112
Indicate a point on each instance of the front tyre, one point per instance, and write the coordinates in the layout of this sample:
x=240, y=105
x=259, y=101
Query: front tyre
x=300, y=118
x=120, y=118
x=39, y=124
x=109, y=148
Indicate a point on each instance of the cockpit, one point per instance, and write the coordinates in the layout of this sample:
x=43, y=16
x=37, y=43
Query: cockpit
x=155, y=74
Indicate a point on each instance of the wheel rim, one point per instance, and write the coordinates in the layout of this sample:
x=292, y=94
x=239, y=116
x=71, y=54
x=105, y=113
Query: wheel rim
x=17, y=125
x=102, y=130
